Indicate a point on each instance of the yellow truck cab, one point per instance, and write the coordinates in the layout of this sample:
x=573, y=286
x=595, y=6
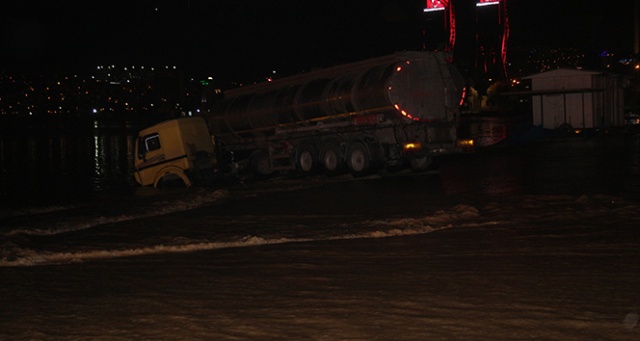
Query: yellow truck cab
x=178, y=149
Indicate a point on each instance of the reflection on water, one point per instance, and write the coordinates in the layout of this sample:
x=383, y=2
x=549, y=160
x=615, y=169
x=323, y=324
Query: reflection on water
x=605, y=164
x=43, y=166
x=631, y=165
x=485, y=173
x=68, y=165
x=487, y=130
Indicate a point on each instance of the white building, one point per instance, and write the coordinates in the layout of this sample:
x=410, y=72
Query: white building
x=568, y=98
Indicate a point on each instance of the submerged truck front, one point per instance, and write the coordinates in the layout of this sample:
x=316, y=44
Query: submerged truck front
x=383, y=113
x=180, y=149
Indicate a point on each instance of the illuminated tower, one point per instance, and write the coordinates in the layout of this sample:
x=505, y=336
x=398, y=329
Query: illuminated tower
x=435, y=8
x=492, y=36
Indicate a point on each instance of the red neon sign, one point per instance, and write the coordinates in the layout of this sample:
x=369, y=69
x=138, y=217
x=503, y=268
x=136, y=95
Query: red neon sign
x=436, y=5
x=487, y=2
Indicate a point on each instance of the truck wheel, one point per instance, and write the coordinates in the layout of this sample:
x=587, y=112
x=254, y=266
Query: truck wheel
x=259, y=164
x=332, y=160
x=358, y=159
x=305, y=159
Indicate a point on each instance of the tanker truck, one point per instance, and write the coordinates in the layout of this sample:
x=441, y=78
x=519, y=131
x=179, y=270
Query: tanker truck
x=389, y=112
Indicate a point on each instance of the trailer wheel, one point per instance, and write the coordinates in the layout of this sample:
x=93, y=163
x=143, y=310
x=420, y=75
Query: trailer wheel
x=305, y=159
x=358, y=159
x=421, y=164
x=332, y=160
x=259, y=164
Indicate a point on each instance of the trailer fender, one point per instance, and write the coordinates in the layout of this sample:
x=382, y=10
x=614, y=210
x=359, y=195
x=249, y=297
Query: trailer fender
x=169, y=173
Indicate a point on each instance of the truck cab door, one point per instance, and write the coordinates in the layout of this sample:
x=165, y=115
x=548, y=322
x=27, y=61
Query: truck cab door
x=149, y=153
x=148, y=145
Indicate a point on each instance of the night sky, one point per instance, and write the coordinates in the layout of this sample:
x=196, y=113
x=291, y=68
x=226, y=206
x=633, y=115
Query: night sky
x=249, y=38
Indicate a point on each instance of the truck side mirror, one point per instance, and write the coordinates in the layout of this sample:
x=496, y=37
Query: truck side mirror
x=142, y=149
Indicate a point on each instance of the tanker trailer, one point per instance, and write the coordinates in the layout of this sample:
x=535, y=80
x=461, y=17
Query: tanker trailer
x=390, y=111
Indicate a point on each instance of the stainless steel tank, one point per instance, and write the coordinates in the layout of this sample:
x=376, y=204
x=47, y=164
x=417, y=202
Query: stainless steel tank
x=412, y=86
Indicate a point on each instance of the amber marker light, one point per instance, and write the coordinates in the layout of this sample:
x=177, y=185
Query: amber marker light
x=412, y=146
x=465, y=143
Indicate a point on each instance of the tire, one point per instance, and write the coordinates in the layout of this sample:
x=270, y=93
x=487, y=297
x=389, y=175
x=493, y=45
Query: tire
x=420, y=164
x=332, y=160
x=305, y=159
x=358, y=159
x=259, y=164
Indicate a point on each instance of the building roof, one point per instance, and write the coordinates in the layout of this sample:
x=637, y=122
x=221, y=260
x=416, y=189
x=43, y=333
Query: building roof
x=564, y=72
x=550, y=92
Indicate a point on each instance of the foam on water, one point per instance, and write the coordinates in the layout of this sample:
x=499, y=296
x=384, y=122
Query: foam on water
x=67, y=221
x=458, y=216
x=75, y=224
x=9, y=213
x=250, y=231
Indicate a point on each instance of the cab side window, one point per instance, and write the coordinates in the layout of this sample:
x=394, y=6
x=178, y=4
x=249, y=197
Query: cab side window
x=147, y=144
x=152, y=142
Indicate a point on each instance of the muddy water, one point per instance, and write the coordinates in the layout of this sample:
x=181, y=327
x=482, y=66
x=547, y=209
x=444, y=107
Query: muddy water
x=527, y=243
